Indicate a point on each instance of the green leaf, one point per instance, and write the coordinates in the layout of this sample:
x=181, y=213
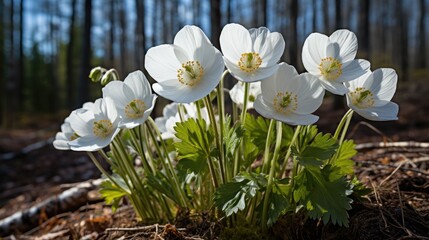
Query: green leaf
x=233, y=138
x=195, y=144
x=343, y=164
x=160, y=183
x=232, y=196
x=323, y=198
x=321, y=148
x=279, y=202
x=257, y=130
x=111, y=193
x=359, y=189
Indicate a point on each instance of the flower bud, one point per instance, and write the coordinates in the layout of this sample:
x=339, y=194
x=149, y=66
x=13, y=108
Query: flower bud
x=107, y=77
x=96, y=74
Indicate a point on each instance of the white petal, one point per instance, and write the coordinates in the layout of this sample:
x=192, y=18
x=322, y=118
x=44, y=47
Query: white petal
x=263, y=108
x=176, y=92
x=193, y=40
x=273, y=54
x=61, y=145
x=81, y=123
x=332, y=50
x=111, y=112
x=87, y=144
x=162, y=63
x=313, y=50
x=234, y=41
x=88, y=105
x=310, y=94
x=354, y=69
x=387, y=112
x=237, y=93
x=362, y=81
x=138, y=83
x=334, y=87
x=384, y=83
x=114, y=90
x=297, y=119
x=259, y=75
x=261, y=32
x=347, y=42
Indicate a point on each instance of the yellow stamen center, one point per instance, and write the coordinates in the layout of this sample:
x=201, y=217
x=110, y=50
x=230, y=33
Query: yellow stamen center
x=102, y=128
x=135, y=109
x=190, y=73
x=249, y=62
x=362, y=98
x=330, y=68
x=285, y=102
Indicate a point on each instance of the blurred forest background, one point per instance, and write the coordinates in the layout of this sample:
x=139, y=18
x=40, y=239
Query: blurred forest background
x=47, y=47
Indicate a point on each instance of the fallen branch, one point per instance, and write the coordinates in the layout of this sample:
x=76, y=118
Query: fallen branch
x=143, y=228
x=391, y=144
x=26, y=150
x=68, y=200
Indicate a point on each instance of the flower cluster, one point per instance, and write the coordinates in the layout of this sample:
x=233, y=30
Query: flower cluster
x=211, y=144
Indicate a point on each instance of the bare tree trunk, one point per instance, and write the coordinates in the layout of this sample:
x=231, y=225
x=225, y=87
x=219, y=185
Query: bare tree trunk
x=140, y=48
x=111, y=52
x=403, y=33
x=10, y=85
x=53, y=78
x=83, y=84
x=326, y=25
x=2, y=63
x=123, y=40
x=338, y=102
x=421, y=54
x=314, y=19
x=155, y=23
x=264, y=12
x=338, y=14
x=293, y=52
x=215, y=19
x=69, y=60
x=21, y=71
x=363, y=30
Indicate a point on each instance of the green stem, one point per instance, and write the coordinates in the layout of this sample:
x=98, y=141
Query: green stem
x=346, y=127
x=268, y=146
x=341, y=124
x=289, y=150
x=246, y=98
x=169, y=168
x=221, y=107
x=219, y=143
x=101, y=169
x=271, y=176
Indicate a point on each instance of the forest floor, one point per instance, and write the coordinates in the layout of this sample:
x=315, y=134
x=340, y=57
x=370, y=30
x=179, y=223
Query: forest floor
x=393, y=161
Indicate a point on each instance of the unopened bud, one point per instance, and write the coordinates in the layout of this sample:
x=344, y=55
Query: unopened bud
x=96, y=74
x=107, y=77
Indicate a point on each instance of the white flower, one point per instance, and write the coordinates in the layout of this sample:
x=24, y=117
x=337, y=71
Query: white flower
x=237, y=93
x=290, y=97
x=67, y=134
x=332, y=59
x=96, y=127
x=251, y=55
x=170, y=117
x=370, y=95
x=187, y=70
x=133, y=99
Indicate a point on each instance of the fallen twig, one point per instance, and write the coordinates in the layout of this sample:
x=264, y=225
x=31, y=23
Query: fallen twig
x=391, y=144
x=26, y=150
x=142, y=228
x=68, y=200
